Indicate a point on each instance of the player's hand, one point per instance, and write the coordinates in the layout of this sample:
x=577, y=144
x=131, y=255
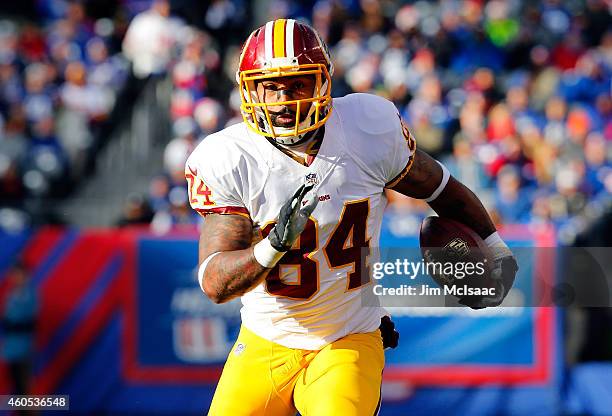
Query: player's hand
x=388, y=333
x=292, y=219
x=503, y=274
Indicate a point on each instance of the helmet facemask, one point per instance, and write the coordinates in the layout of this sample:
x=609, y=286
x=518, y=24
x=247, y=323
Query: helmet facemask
x=257, y=115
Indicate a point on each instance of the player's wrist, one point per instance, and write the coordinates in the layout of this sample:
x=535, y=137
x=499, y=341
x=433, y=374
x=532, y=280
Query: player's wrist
x=276, y=241
x=266, y=254
x=497, y=246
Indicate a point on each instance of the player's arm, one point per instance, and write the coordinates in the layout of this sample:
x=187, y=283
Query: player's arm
x=429, y=180
x=229, y=266
x=425, y=180
x=231, y=269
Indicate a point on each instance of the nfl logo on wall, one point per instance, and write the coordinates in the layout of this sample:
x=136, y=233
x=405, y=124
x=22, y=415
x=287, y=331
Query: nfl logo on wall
x=311, y=179
x=200, y=339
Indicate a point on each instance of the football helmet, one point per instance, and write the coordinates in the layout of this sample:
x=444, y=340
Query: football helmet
x=285, y=48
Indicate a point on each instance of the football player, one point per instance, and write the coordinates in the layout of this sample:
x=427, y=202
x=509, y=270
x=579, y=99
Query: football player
x=293, y=199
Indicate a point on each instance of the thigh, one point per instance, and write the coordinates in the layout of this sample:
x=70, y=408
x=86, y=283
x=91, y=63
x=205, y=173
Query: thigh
x=246, y=386
x=343, y=379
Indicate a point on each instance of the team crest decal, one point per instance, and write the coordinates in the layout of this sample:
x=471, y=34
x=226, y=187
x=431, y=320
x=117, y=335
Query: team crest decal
x=311, y=179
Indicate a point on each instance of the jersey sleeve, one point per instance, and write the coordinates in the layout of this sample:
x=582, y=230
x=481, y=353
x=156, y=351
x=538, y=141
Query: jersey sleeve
x=404, y=147
x=214, y=186
x=378, y=137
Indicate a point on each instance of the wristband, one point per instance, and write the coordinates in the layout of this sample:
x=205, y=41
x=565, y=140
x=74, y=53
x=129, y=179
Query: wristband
x=440, y=188
x=265, y=254
x=202, y=268
x=498, y=247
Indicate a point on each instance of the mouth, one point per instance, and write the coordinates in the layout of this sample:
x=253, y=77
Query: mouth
x=284, y=120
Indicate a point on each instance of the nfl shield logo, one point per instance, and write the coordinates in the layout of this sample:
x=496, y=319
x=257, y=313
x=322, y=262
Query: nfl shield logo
x=457, y=248
x=200, y=339
x=311, y=179
x=239, y=349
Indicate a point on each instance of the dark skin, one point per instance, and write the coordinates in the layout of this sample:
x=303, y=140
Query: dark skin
x=284, y=89
x=275, y=90
x=456, y=201
x=235, y=271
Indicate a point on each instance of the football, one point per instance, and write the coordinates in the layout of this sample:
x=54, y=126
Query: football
x=456, y=257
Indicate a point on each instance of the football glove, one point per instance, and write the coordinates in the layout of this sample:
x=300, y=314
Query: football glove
x=388, y=333
x=292, y=219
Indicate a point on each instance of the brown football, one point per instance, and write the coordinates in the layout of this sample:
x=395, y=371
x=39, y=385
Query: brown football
x=445, y=241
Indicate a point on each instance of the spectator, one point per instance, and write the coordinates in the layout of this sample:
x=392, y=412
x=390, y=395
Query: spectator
x=102, y=70
x=464, y=166
x=428, y=116
x=45, y=153
x=149, y=40
x=501, y=123
x=569, y=183
x=18, y=324
x=37, y=101
x=179, y=148
x=158, y=193
x=177, y=213
x=80, y=96
x=597, y=157
x=541, y=209
x=555, y=131
x=511, y=202
x=11, y=90
x=208, y=114
x=135, y=212
x=421, y=65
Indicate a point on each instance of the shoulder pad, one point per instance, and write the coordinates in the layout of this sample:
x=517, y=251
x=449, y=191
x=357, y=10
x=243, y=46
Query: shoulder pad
x=372, y=114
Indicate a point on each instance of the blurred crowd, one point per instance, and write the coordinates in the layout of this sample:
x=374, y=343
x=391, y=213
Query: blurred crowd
x=59, y=77
x=513, y=96
x=193, y=60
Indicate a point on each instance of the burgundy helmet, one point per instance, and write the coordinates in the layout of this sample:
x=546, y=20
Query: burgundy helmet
x=284, y=48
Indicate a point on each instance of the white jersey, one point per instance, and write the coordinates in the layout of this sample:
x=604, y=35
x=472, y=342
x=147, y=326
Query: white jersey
x=313, y=296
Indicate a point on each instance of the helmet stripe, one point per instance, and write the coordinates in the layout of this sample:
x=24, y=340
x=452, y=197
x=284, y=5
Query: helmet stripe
x=279, y=38
x=268, y=40
x=289, y=31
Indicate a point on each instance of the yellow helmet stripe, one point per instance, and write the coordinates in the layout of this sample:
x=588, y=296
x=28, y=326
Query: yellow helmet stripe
x=279, y=38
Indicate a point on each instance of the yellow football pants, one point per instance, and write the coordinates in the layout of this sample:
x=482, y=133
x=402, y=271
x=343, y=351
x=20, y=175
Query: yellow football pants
x=263, y=378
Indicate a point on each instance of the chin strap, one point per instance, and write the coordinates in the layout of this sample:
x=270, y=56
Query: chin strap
x=308, y=136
